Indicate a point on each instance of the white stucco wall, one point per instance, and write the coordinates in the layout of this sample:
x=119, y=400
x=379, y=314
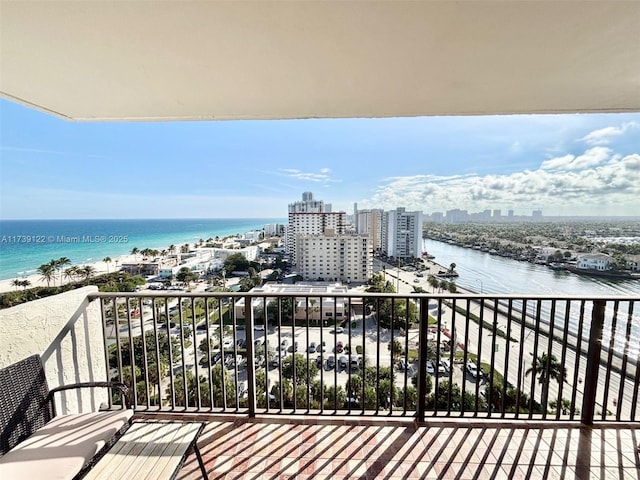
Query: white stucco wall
x=66, y=330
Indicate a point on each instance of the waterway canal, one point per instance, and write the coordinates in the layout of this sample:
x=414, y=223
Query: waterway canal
x=485, y=273
x=491, y=274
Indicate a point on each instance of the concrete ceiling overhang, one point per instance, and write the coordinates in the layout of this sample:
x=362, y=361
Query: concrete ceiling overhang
x=196, y=60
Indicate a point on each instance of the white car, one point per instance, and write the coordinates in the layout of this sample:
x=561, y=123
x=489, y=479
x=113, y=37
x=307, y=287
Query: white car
x=228, y=343
x=473, y=370
x=442, y=369
x=430, y=368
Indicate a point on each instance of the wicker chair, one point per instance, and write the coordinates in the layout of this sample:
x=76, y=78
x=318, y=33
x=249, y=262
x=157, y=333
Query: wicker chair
x=34, y=442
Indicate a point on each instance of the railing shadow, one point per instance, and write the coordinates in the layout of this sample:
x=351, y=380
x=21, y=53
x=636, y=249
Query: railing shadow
x=312, y=449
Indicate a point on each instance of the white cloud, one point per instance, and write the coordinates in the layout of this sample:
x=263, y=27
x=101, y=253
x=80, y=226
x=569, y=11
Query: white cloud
x=323, y=176
x=605, y=136
x=580, y=184
x=592, y=157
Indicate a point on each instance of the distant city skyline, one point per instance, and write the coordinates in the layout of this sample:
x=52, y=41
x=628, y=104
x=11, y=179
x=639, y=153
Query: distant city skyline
x=564, y=165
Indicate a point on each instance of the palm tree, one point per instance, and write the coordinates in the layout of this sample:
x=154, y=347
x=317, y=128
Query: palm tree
x=135, y=251
x=71, y=272
x=556, y=371
x=47, y=271
x=312, y=302
x=107, y=260
x=172, y=249
x=452, y=267
x=25, y=283
x=87, y=272
x=60, y=263
x=16, y=283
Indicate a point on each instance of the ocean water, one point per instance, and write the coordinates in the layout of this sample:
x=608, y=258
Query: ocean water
x=27, y=244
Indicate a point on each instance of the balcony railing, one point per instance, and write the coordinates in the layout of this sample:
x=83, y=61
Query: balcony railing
x=496, y=357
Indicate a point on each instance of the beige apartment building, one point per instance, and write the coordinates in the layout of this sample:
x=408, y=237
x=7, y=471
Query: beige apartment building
x=333, y=257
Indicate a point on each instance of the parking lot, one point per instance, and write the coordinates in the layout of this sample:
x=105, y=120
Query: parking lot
x=323, y=346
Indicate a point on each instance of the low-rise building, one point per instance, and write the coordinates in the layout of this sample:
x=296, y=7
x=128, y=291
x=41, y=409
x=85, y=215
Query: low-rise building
x=307, y=301
x=634, y=262
x=142, y=268
x=250, y=252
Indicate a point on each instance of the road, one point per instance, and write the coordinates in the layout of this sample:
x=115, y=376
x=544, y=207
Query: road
x=521, y=355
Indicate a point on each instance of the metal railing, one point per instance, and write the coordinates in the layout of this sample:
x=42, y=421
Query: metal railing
x=499, y=357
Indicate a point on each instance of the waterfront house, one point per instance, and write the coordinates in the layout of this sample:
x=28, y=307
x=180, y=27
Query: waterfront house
x=594, y=261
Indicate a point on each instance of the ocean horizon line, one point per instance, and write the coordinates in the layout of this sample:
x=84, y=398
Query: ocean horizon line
x=27, y=244
x=127, y=219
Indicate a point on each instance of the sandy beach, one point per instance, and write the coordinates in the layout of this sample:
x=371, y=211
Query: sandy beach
x=37, y=280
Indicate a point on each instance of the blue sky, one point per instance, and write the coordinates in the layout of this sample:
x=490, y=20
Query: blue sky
x=562, y=164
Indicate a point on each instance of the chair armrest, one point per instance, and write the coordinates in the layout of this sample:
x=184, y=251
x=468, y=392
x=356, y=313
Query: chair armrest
x=124, y=390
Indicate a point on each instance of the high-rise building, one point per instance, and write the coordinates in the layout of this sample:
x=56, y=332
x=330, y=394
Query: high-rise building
x=310, y=217
x=273, y=229
x=334, y=257
x=437, y=217
x=309, y=205
x=305, y=224
x=402, y=233
x=369, y=222
x=457, y=216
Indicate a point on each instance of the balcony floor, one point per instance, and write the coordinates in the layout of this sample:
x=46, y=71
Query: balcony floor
x=337, y=448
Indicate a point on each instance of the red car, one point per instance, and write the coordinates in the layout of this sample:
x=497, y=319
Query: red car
x=339, y=347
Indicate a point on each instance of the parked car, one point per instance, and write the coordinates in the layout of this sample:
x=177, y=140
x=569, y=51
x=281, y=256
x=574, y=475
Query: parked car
x=259, y=328
x=312, y=347
x=404, y=366
x=201, y=326
x=319, y=361
x=354, y=363
x=343, y=363
x=216, y=356
x=227, y=343
x=473, y=370
x=339, y=330
x=442, y=370
x=331, y=362
x=431, y=369
x=241, y=343
x=323, y=347
x=275, y=361
x=284, y=344
x=339, y=347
